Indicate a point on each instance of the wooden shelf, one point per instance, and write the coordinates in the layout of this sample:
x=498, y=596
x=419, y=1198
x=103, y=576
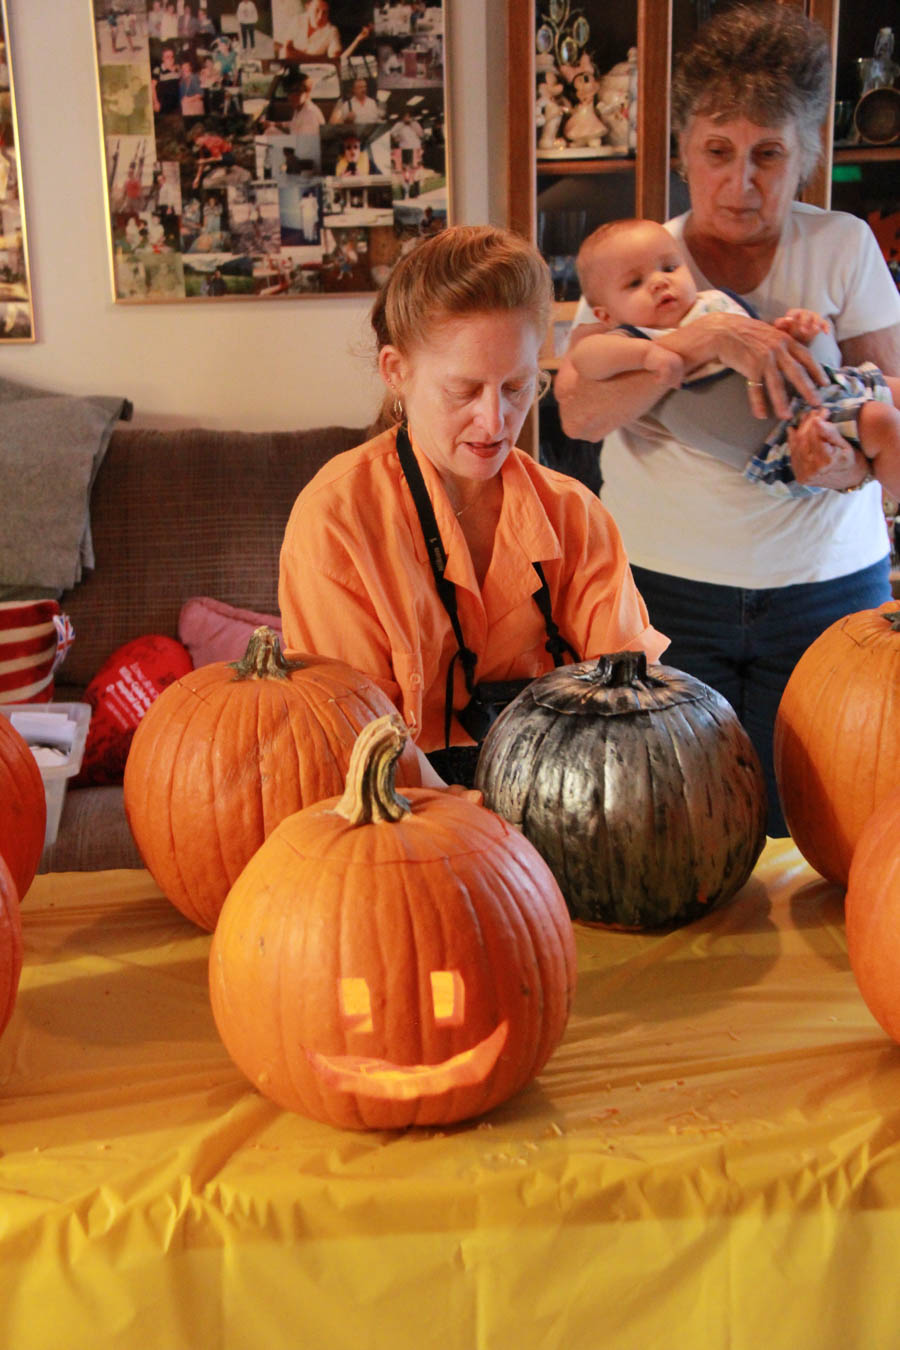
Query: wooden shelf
x=842, y=154
x=866, y=154
x=604, y=164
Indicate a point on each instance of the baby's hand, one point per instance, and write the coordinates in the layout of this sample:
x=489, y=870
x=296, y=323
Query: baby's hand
x=801, y=324
x=667, y=366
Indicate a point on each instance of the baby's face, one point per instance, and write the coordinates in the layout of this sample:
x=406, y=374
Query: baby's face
x=640, y=277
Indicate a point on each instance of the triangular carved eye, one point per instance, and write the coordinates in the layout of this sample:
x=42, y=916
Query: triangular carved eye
x=355, y=1003
x=448, y=996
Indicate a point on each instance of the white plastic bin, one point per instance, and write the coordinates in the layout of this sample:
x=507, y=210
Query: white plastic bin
x=70, y=735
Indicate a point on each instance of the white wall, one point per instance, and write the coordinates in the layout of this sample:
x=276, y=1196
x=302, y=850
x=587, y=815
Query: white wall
x=255, y=365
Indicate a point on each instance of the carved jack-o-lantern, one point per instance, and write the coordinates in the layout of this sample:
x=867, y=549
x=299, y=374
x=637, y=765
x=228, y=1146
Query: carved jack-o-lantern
x=383, y=962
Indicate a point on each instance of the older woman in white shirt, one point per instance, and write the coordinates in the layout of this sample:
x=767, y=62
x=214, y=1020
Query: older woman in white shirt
x=743, y=580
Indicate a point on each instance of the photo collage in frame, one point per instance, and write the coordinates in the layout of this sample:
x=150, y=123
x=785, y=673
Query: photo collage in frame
x=16, y=309
x=268, y=148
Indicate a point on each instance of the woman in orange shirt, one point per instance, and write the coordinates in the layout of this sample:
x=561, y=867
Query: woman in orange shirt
x=437, y=558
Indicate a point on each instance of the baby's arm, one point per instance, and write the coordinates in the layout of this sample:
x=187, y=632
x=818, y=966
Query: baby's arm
x=886, y=468
x=801, y=324
x=893, y=383
x=600, y=356
x=879, y=433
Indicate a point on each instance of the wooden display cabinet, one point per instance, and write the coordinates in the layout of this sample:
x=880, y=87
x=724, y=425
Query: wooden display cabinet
x=580, y=192
x=642, y=183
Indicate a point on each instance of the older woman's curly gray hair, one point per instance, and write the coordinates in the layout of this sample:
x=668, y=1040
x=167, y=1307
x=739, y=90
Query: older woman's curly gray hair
x=768, y=63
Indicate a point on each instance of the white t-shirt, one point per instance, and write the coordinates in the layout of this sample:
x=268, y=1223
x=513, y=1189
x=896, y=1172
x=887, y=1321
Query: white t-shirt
x=688, y=514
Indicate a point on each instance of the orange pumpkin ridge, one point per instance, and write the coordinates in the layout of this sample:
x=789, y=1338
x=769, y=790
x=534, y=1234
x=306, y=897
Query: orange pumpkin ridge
x=10, y=944
x=872, y=910
x=23, y=807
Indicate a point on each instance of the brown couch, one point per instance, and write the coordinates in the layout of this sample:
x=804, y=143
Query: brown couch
x=174, y=514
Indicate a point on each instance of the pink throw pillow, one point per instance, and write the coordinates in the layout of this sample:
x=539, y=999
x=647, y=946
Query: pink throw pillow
x=214, y=631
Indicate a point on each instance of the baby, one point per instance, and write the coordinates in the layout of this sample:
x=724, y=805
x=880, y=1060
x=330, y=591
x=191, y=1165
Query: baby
x=637, y=281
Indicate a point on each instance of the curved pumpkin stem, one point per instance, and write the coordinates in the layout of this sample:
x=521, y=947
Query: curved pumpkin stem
x=622, y=667
x=370, y=796
x=893, y=618
x=264, y=659
x=618, y=668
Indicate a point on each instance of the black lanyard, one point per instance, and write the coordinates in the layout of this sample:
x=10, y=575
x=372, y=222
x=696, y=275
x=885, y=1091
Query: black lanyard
x=437, y=556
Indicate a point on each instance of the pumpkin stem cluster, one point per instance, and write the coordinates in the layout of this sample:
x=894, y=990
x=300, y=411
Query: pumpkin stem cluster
x=264, y=659
x=370, y=796
x=621, y=668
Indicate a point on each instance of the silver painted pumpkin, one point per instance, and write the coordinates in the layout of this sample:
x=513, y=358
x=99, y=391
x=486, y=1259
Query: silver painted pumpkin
x=638, y=785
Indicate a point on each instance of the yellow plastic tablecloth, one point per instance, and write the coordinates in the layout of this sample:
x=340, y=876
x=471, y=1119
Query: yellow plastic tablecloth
x=710, y=1159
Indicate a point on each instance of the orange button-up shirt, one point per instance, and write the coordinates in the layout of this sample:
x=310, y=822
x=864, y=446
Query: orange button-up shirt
x=356, y=584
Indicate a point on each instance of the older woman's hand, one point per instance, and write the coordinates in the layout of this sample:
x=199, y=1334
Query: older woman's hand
x=771, y=361
x=820, y=455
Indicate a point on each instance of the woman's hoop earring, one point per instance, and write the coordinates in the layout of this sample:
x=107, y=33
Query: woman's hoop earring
x=397, y=409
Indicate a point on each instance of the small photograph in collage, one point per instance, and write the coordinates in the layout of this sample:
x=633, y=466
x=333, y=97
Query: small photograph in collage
x=269, y=147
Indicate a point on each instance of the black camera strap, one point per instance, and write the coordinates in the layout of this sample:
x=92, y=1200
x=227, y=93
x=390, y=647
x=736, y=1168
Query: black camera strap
x=437, y=557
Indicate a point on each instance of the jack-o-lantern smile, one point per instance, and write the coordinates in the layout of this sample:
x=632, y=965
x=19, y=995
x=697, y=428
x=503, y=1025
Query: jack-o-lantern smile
x=372, y=1077
x=406, y=1082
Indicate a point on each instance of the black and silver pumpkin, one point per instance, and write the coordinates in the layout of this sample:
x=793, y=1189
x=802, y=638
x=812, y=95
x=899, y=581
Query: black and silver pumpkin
x=636, y=783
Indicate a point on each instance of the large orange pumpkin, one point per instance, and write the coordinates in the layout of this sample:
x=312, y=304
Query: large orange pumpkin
x=384, y=962
x=837, y=736
x=10, y=944
x=23, y=807
x=227, y=751
x=872, y=910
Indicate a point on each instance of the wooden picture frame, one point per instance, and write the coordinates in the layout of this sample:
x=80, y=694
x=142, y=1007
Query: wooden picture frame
x=268, y=149
x=16, y=305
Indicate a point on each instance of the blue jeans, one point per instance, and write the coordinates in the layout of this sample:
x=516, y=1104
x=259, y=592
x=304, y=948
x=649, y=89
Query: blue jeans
x=745, y=643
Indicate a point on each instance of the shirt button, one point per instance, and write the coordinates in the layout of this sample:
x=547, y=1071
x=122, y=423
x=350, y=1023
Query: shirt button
x=415, y=680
